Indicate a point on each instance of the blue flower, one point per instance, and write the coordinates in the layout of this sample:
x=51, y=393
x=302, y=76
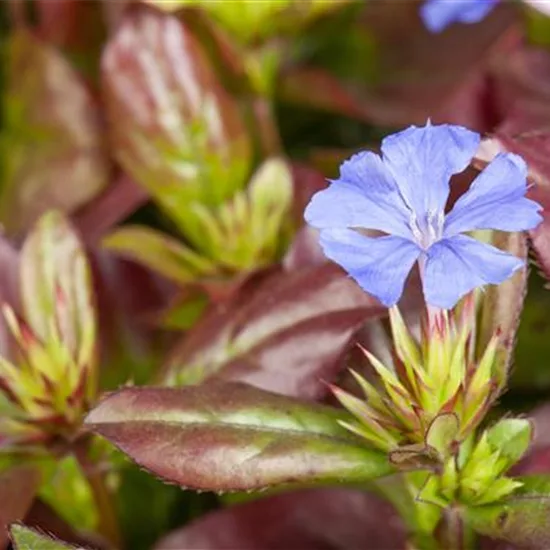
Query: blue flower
x=439, y=14
x=403, y=194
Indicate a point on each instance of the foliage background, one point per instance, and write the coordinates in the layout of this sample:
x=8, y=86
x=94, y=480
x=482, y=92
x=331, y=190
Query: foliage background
x=105, y=117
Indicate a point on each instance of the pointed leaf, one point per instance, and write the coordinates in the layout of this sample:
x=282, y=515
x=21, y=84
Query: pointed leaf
x=159, y=252
x=121, y=199
x=53, y=153
x=286, y=335
x=339, y=519
x=28, y=539
x=56, y=286
x=522, y=519
x=231, y=436
x=443, y=432
x=501, y=305
x=173, y=127
x=512, y=437
x=18, y=487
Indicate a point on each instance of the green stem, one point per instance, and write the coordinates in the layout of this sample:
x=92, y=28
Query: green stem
x=108, y=520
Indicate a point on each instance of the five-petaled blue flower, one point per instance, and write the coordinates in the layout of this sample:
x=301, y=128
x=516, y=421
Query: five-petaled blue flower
x=439, y=14
x=403, y=194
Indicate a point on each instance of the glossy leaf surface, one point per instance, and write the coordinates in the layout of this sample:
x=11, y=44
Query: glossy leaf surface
x=286, y=335
x=231, y=436
x=174, y=129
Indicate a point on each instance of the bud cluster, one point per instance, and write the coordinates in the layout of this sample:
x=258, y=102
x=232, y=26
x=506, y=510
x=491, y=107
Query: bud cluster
x=437, y=381
x=49, y=379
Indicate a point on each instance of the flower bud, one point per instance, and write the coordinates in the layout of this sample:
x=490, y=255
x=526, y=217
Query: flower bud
x=436, y=394
x=50, y=378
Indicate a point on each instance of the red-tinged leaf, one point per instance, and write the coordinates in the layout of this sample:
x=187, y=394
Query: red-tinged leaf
x=537, y=460
x=76, y=28
x=52, y=145
x=173, y=127
x=287, y=335
x=130, y=344
x=416, y=74
x=521, y=76
x=501, y=305
x=521, y=519
x=315, y=519
x=230, y=436
x=305, y=250
x=56, y=288
x=307, y=181
x=331, y=94
x=122, y=198
x=18, y=487
x=9, y=288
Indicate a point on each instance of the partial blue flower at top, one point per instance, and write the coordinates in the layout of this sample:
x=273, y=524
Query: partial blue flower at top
x=403, y=194
x=439, y=14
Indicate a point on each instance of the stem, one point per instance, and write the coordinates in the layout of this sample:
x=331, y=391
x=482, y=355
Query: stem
x=454, y=529
x=108, y=521
x=268, y=133
x=455, y=534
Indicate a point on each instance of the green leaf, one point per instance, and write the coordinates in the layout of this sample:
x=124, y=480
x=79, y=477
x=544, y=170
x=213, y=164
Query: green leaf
x=160, y=253
x=53, y=151
x=245, y=232
x=443, y=432
x=230, y=436
x=522, y=519
x=24, y=538
x=56, y=287
x=178, y=132
x=249, y=21
x=68, y=492
x=512, y=437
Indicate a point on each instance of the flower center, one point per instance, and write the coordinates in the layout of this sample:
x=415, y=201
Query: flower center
x=427, y=229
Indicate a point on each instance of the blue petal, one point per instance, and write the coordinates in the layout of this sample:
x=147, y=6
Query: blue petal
x=496, y=200
x=364, y=196
x=457, y=265
x=379, y=265
x=422, y=161
x=439, y=14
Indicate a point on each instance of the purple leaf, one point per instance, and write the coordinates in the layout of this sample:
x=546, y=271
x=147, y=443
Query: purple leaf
x=230, y=436
x=287, y=336
x=316, y=519
x=130, y=344
x=122, y=198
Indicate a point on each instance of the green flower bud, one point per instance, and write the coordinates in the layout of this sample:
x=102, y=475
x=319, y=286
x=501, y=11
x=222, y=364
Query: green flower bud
x=50, y=378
